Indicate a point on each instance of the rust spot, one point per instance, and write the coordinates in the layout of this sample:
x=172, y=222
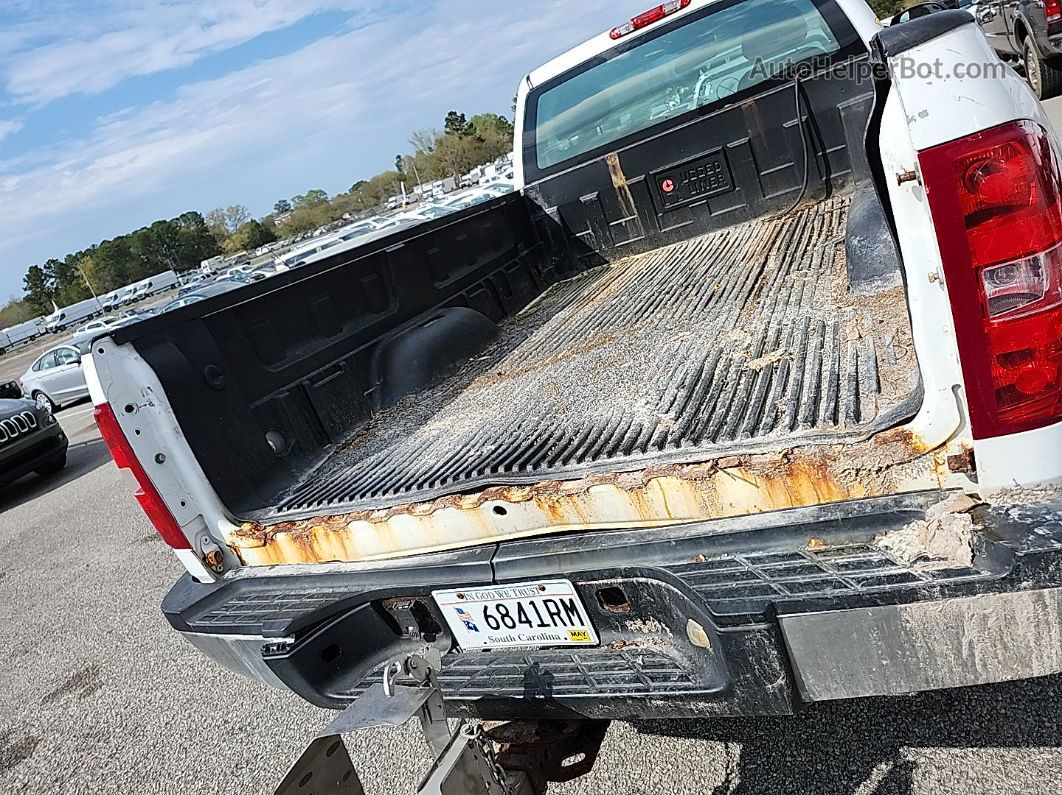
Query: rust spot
x=215, y=559
x=613, y=600
x=623, y=194
x=889, y=463
x=904, y=438
x=552, y=508
x=963, y=461
x=815, y=543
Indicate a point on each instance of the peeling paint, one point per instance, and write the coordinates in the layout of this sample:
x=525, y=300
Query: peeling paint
x=889, y=463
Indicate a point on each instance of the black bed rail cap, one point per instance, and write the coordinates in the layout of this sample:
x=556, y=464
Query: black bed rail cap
x=896, y=39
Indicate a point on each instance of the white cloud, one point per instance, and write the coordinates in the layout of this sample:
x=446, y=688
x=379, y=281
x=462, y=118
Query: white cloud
x=9, y=127
x=326, y=115
x=97, y=48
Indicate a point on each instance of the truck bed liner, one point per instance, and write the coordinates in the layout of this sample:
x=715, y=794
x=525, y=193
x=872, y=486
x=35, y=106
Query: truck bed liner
x=741, y=340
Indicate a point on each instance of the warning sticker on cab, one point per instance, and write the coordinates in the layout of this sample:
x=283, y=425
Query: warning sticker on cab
x=694, y=181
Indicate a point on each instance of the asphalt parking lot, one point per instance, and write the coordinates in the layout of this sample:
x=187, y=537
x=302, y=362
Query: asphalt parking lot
x=99, y=696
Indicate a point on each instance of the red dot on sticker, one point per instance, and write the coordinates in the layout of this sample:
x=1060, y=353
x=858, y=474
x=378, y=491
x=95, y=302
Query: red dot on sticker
x=668, y=186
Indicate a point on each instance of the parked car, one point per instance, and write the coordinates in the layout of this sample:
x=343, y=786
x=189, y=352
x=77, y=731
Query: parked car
x=99, y=324
x=191, y=288
x=262, y=272
x=300, y=253
x=177, y=303
x=479, y=195
x=360, y=228
x=1029, y=32
x=192, y=278
x=130, y=316
x=57, y=378
x=30, y=441
x=206, y=291
x=393, y=227
x=917, y=12
x=728, y=411
x=426, y=213
x=10, y=390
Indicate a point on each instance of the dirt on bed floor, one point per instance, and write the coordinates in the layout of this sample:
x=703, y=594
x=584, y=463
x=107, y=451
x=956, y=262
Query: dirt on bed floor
x=746, y=339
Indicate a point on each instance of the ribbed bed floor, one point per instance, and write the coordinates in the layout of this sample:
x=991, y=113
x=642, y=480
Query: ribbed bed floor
x=740, y=340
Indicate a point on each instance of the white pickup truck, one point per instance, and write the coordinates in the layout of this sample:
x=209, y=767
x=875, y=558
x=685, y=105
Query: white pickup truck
x=750, y=397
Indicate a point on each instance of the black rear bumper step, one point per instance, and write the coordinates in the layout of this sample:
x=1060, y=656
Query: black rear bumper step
x=726, y=617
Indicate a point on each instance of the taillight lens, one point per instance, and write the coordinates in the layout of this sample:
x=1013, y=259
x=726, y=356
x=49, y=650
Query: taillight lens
x=648, y=18
x=996, y=199
x=1053, y=10
x=146, y=494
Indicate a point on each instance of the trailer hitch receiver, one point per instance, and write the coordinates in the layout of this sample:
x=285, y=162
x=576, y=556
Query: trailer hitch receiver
x=515, y=758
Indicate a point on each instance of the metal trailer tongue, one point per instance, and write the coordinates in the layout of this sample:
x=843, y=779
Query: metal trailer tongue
x=511, y=758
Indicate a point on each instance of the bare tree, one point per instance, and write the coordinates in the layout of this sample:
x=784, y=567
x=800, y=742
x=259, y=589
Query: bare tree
x=236, y=216
x=424, y=140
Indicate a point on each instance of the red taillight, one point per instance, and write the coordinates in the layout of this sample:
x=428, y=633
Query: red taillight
x=996, y=199
x=1053, y=10
x=146, y=494
x=648, y=18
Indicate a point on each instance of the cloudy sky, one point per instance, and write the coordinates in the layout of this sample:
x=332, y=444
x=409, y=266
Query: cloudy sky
x=114, y=113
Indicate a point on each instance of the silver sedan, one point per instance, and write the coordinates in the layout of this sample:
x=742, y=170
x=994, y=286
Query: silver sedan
x=56, y=377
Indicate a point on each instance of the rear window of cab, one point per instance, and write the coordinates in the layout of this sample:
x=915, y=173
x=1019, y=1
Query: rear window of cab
x=695, y=64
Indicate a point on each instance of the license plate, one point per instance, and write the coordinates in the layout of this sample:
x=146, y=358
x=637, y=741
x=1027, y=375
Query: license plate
x=547, y=613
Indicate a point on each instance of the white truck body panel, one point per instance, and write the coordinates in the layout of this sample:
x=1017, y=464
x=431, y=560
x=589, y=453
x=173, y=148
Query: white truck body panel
x=937, y=111
x=941, y=417
x=275, y=619
x=118, y=375
x=918, y=114
x=857, y=11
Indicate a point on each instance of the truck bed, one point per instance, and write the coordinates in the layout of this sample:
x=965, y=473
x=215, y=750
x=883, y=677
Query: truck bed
x=745, y=339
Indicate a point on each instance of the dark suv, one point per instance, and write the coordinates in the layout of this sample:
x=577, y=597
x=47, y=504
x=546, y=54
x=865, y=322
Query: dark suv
x=30, y=441
x=1029, y=30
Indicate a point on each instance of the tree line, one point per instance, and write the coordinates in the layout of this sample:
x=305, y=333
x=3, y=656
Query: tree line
x=889, y=8
x=182, y=243
x=177, y=244
x=459, y=147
